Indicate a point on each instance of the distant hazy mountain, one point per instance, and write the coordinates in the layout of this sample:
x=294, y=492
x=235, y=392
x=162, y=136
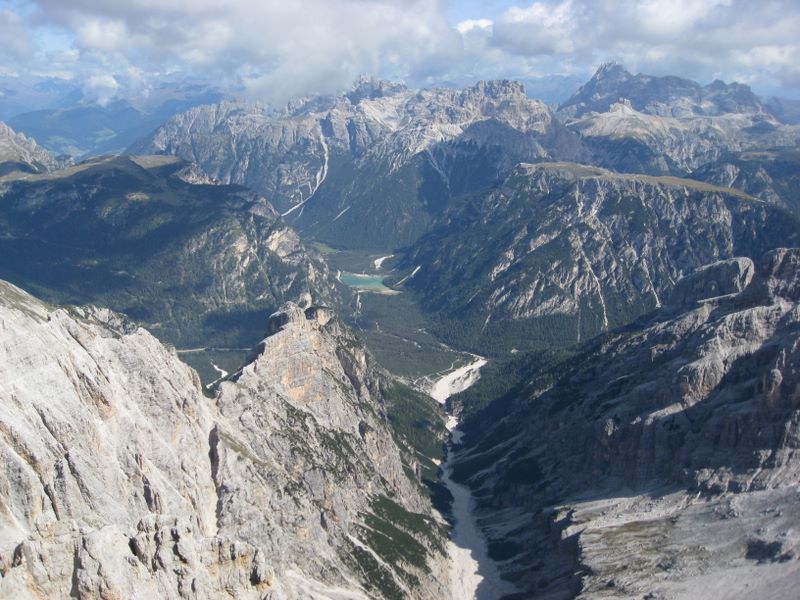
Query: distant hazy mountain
x=663, y=96
x=89, y=129
x=30, y=92
x=668, y=125
x=662, y=460
x=553, y=89
x=199, y=264
x=788, y=110
x=561, y=252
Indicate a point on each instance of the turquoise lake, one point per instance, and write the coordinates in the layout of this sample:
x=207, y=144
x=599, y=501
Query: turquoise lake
x=365, y=283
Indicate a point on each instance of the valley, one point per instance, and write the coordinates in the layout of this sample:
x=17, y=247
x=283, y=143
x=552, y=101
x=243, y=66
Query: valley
x=389, y=343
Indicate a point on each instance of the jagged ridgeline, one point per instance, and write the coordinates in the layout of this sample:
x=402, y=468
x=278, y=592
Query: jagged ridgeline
x=374, y=167
x=198, y=264
x=770, y=175
x=371, y=168
x=21, y=154
x=661, y=461
x=120, y=479
x=669, y=125
x=561, y=252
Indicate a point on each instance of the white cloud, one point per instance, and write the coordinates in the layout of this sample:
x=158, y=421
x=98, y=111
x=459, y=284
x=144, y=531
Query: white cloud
x=672, y=17
x=102, y=87
x=103, y=34
x=699, y=39
x=469, y=25
x=541, y=28
x=16, y=42
x=276, y=49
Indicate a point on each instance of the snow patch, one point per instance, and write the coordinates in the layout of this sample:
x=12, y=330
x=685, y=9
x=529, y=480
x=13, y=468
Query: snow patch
x=336, y=218
x=407, y=277
x=320, y=177
x=378, y=262
x=457, y=381
x=222, y=372
x=472, y=573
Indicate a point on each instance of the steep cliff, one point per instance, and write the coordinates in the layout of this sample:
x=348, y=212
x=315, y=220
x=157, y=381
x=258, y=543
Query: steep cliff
x=662, y=460
x=561, y=252
x=21, y=154
x=120, y=479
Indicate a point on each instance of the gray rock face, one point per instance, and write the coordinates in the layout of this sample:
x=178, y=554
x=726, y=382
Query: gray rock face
x=375, y=167
x=561, y=252
x=710, y=281
x=663, y=96
x=119, y=479
x=23, y=154
x=625, y=139
x=668, y=125
x=662, y=460
x=771, y=175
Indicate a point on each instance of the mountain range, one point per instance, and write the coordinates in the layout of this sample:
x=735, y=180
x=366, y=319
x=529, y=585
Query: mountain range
x=561, y=252
x=614, y=283
x=151, y=237
x=384, y=161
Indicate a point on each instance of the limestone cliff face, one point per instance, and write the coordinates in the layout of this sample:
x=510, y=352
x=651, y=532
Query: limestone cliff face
x=119, y=479
x=19, y=153
x=662, y=458
x=561, y=252
x=772, y=176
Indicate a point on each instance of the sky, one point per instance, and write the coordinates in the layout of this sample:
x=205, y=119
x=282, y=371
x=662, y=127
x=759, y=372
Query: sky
x=277, y=49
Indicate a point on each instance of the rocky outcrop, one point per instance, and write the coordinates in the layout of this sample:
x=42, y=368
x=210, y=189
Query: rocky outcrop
x=711, y=281
x=561, y=252
x=663, y=458
x=20, y=154
x=120, y=479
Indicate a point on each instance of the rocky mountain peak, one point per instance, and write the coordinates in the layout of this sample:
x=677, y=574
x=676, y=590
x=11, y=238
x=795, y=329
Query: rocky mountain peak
x=659, y=95
x=777, y=278
x=710, y=281
x=497, y=89
x=610, y=71
x=368, y=87
x=287, y=314
x=290, y=314
x=21, y=153
x=732, y=97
